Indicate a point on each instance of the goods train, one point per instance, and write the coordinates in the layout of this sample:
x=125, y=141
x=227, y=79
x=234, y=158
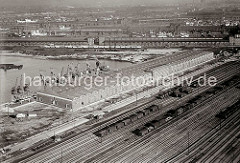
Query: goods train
x=46, y=142
x=127, y=121
x=157, y=122
x=224, y=114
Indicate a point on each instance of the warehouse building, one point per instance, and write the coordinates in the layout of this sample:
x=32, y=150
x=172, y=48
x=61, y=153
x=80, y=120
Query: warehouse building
x=182, y=65
x=70, y=97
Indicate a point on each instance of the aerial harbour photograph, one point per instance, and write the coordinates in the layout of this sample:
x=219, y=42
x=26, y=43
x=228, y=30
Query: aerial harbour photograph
x=117, y=81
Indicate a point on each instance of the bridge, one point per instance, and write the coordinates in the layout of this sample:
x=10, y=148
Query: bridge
x=115, y=43
x=168, y=42
x=42, y=41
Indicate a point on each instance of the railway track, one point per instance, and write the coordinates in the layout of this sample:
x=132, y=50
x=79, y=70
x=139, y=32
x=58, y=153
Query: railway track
x=211, y=150
x=194, y=137
x=88, y=137
x=94, y=152
x=226, y=140
x=92, y=140
x=135, y=153
x=151, y=102
x=119, y=147
x=214, y=142
x=197, y=147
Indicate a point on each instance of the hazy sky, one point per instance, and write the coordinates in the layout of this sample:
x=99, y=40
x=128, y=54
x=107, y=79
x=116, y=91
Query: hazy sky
x=86, y=3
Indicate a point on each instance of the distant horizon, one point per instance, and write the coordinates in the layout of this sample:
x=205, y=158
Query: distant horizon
x=91, y=3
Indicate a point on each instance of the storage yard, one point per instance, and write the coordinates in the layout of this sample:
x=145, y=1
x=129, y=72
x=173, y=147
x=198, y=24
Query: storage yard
x=28, y=120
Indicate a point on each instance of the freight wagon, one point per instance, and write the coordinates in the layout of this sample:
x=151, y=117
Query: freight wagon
x=224, y=114
x=102, y=132
x=140, y=114
x=119, y=125
x=133, y=117
x=153, y=108
x=42, y=144
x=127, y=121
x=149, y=126
x=142, y=131
x=155, y=123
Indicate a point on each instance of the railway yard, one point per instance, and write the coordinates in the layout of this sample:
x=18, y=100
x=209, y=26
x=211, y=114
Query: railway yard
x=184, y=123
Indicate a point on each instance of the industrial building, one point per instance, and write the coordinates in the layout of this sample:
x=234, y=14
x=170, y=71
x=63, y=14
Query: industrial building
x=235, y=41
x=77, y=97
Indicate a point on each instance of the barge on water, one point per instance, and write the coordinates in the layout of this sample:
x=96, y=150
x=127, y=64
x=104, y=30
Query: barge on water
x=6, y=67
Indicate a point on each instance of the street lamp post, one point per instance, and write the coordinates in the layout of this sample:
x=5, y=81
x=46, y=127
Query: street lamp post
x=188, y=142
x=136, y=97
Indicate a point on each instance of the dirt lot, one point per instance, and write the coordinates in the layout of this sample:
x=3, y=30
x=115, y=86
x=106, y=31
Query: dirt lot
x=17, y=129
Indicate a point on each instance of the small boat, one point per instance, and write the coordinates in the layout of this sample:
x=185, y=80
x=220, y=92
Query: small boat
x=104, y=68
x=6, y=67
